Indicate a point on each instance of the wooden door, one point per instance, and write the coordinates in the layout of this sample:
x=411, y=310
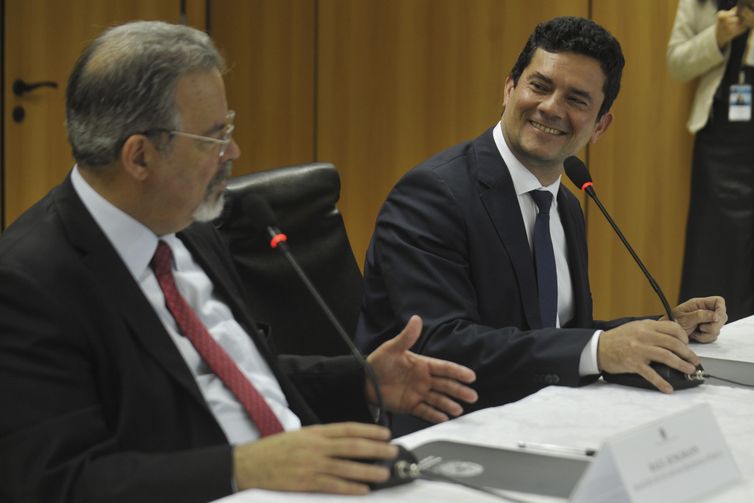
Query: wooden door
x=43, y=38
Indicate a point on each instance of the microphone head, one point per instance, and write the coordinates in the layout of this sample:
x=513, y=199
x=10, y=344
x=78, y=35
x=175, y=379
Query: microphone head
x=261, y=215
x=578, y=174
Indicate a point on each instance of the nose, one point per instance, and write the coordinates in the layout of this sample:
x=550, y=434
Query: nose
x=232, y=152
x=552, y=106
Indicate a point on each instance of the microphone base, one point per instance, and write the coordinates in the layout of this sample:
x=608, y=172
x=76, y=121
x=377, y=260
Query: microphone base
x=677, y=379
x=403, y=469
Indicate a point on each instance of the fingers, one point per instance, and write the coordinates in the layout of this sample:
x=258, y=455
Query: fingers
x=322, y=458
x=705, y=338
x=439, y=404
x=352, y=430
x=429, y=413
x=631, y=347
x=702, y=318
x=680, y=358
x=450, y=370
x=408, y=336
x=654, y=378
x=454, y=389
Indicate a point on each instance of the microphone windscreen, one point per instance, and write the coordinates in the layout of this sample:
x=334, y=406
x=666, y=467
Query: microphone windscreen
x=576, y=171
x=260, y=215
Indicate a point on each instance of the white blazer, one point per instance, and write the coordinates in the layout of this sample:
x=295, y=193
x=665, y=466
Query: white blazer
x=693, y=52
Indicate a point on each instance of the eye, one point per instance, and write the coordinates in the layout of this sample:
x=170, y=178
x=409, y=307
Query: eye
x=538, y=87
x=578, y=101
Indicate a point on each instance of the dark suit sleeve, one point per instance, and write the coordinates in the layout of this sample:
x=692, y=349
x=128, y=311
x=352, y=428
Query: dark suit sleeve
x=434, y=254
x=332, y=386
x=56, y=443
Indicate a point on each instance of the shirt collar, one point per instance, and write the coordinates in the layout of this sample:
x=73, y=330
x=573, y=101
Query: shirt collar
x=523, y=179
x=133, y=241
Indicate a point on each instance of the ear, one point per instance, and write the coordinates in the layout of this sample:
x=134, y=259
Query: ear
x=509, y=86
x=135, y=154
x=602, y=124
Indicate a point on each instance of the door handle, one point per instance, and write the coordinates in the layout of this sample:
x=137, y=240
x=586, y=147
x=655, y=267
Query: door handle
x=20, y=87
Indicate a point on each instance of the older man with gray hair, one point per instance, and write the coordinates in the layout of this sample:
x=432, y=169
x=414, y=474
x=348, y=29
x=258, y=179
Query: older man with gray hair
x=129, y=367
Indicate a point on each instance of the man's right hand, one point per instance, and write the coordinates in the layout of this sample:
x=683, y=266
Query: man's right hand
x=315, y=459
x=630, y=348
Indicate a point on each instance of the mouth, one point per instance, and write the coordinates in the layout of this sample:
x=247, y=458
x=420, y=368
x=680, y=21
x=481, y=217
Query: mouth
x=546, y=129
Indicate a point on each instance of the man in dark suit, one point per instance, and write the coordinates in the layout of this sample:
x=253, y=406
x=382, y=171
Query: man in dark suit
x=129, y=368
x=456, y=240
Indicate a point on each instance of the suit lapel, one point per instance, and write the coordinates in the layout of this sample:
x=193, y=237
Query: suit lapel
x=501, y=204
x=118, y=285
x=575, y=233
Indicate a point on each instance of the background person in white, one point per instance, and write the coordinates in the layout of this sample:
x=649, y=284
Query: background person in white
x=102, y=399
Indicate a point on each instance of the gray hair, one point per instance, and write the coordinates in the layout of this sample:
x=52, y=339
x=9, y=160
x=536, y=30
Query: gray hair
x=124, y=84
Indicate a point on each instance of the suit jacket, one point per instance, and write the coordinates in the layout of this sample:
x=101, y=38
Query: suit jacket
x=97, y=403
x=450, y=245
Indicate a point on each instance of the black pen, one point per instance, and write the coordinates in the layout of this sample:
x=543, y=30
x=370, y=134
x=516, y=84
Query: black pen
x=557, y=448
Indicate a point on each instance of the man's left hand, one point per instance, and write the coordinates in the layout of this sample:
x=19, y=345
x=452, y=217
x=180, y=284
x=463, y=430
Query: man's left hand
x=701, y=318
x=425, y=387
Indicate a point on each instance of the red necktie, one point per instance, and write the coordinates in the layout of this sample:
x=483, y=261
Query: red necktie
x=210, y=350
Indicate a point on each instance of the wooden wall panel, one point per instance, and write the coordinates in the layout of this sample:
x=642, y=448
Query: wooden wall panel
x=376, y=86
x=399, y=80
x=641, y=166
x=43, y=39
x=269, y=46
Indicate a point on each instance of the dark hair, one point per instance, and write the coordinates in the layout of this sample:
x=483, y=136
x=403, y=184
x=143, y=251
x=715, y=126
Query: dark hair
x=124, y=83
x=580, y=36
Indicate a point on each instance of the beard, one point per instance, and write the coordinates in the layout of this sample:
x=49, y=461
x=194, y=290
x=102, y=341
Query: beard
x=213, y=203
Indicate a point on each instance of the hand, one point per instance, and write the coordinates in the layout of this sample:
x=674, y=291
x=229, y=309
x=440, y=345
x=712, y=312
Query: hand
x=701, y=318
x=729, y=26
x=425, y=387
x=315, y=459
x=746, y=15
x=630, y=348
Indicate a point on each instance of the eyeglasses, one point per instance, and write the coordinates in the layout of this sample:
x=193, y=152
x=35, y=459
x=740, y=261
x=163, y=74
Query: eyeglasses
x=223, y=141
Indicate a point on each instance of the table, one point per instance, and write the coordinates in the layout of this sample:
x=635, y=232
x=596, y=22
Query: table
x=581, y=417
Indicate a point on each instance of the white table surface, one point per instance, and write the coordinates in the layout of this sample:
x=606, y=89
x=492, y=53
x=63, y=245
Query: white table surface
x=579, y=417
x=736, y=342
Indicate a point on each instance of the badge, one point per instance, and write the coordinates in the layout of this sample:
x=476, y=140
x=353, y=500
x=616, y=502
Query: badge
x=739, y=109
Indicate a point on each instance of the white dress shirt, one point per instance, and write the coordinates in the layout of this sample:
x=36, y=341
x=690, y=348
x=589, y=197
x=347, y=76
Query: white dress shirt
x=523, y=183
x=136, y=245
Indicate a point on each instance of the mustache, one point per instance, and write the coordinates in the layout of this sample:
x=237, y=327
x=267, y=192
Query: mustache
x=222, y=174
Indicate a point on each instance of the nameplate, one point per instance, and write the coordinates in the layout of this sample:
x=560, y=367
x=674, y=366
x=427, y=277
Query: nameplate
x=675, y=458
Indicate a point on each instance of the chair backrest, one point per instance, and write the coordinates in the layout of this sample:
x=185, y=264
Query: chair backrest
x=303, y=198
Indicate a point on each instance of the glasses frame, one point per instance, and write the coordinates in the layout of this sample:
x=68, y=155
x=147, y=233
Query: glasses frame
x=227, y=135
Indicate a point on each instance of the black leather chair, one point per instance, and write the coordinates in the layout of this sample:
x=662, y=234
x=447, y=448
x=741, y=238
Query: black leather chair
x=303, y=198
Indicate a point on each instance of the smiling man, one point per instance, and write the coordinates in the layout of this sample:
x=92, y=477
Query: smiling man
x=485, y=243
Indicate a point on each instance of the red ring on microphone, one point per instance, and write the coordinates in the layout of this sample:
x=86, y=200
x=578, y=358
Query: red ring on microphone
x=277, y=239
x=586, y=184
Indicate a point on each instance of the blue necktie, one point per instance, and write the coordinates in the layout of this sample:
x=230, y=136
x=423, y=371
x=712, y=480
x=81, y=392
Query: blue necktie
x=544, y=259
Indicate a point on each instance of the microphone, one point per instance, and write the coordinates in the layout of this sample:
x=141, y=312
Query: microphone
x=580, y=177
x=403, y=468
x=266, y=219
